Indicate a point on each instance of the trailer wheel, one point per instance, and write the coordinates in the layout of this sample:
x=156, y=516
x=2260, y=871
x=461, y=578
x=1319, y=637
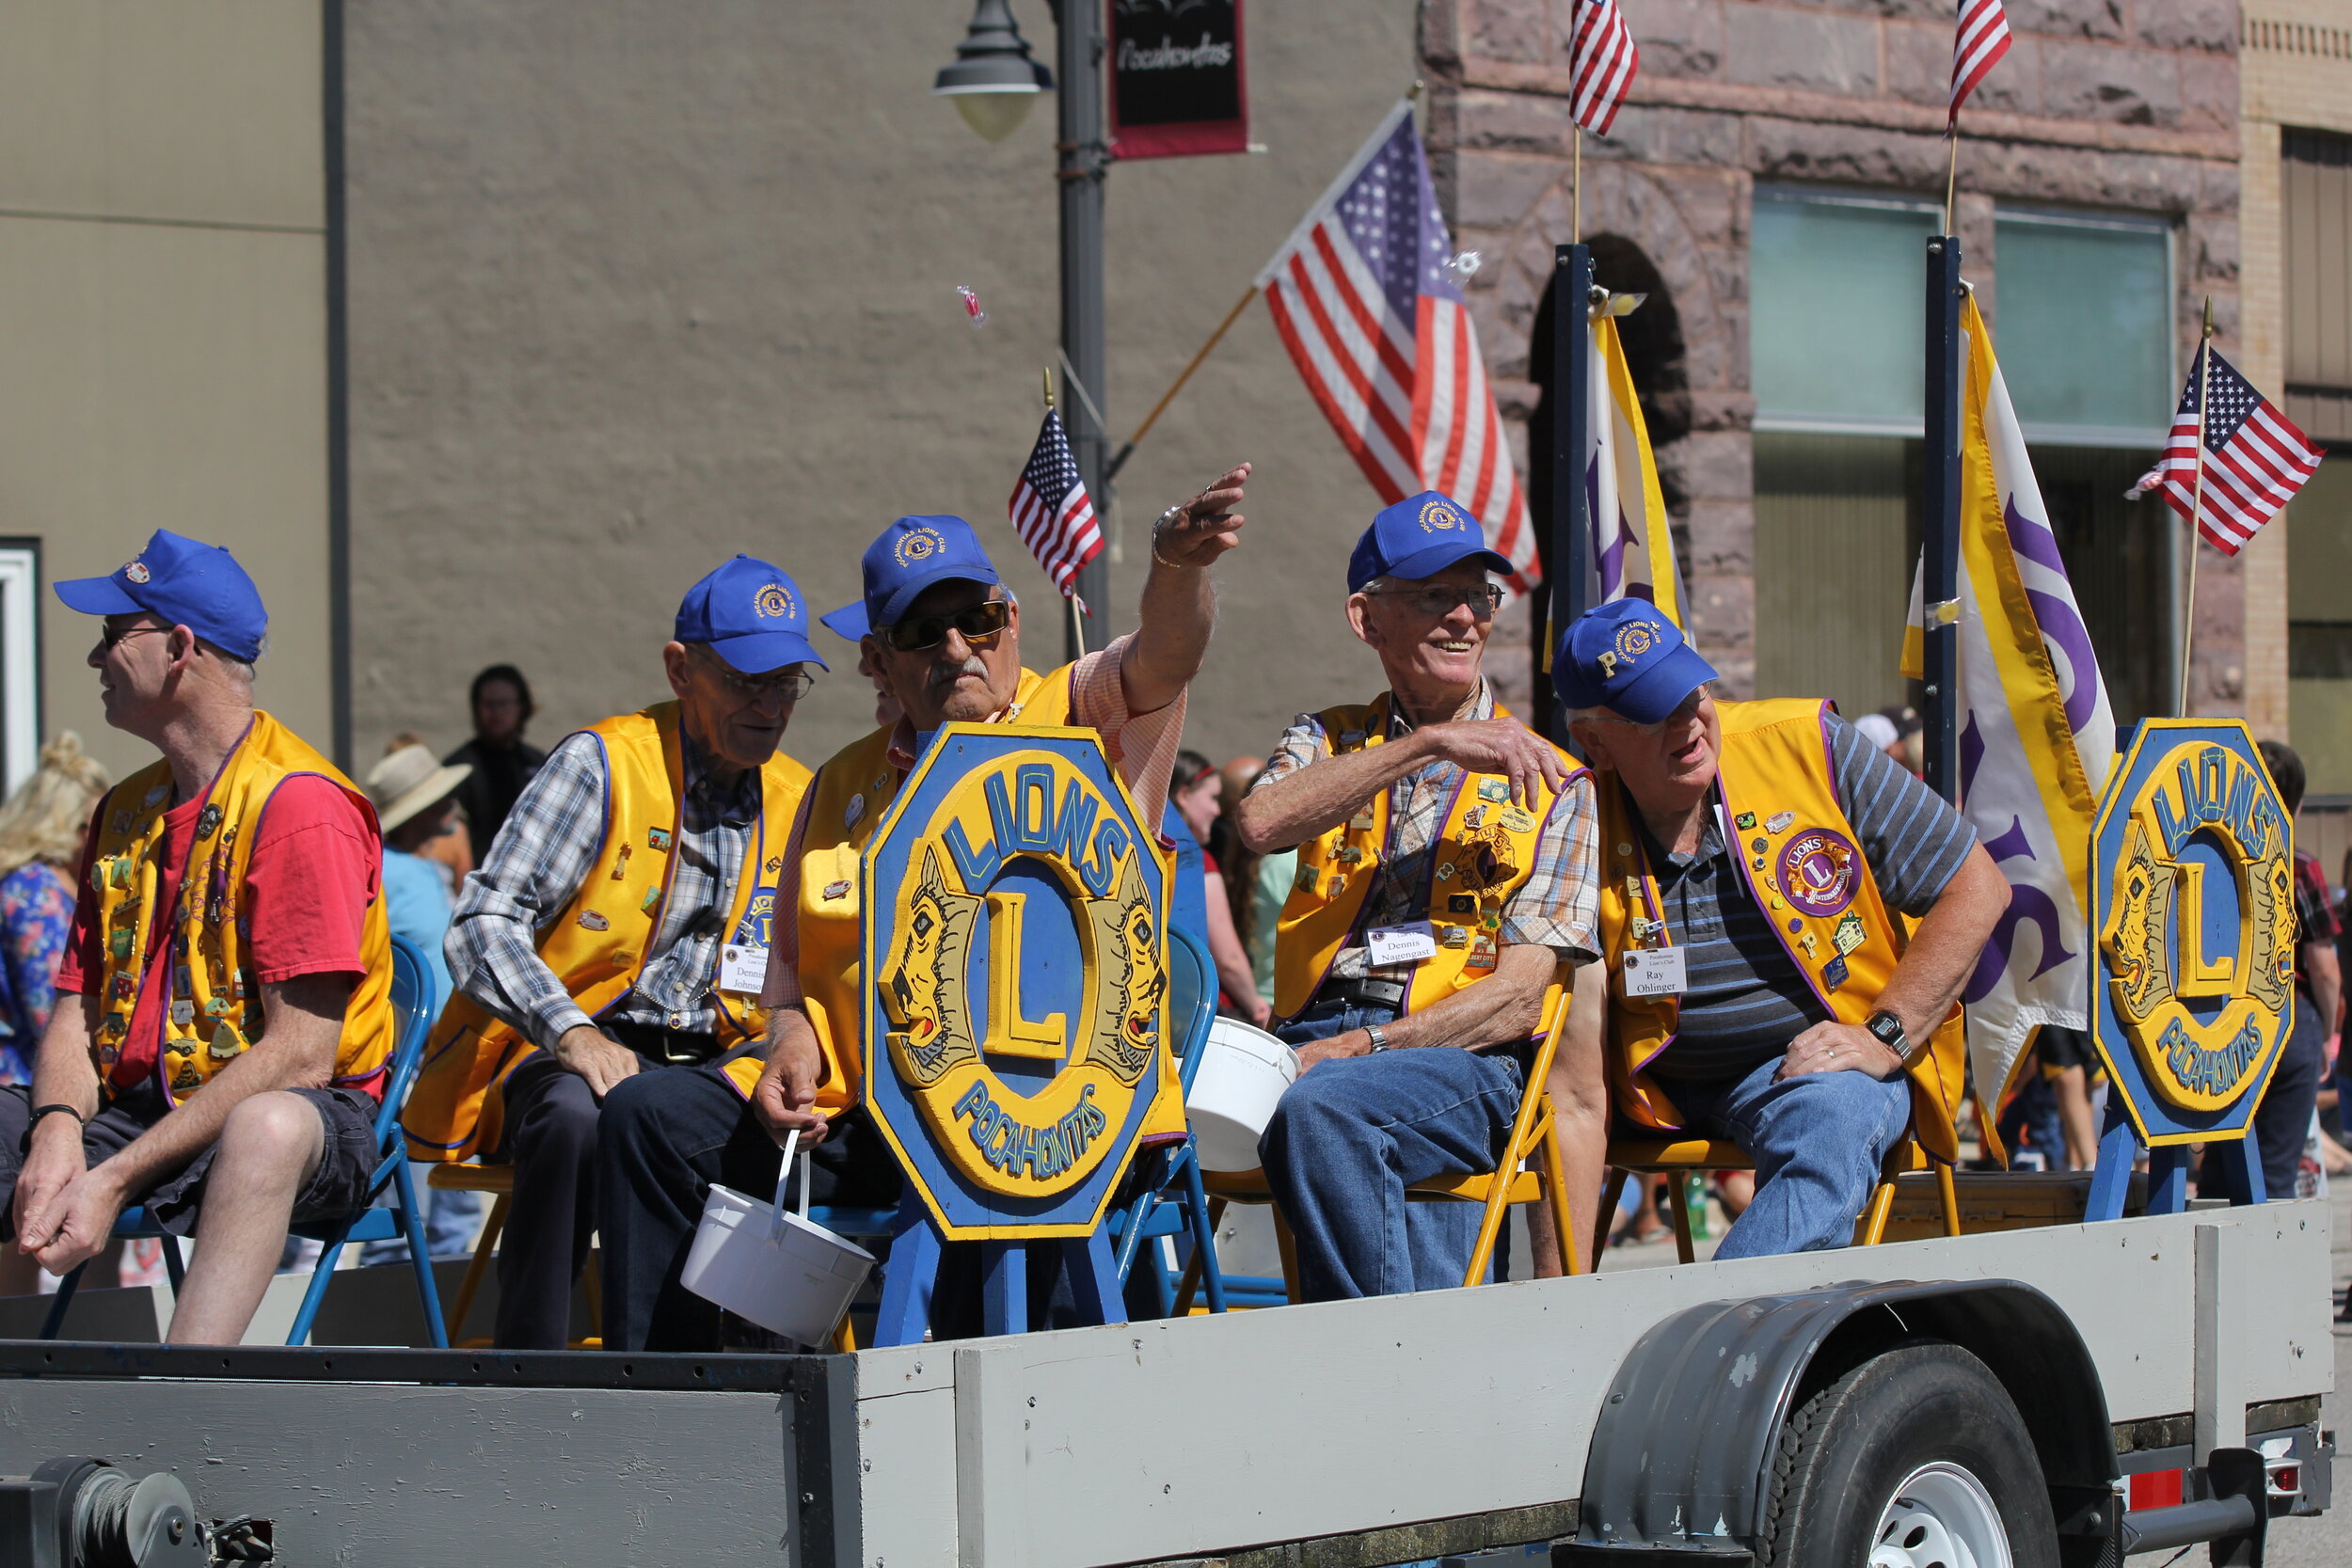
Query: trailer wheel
x=1915, y=1459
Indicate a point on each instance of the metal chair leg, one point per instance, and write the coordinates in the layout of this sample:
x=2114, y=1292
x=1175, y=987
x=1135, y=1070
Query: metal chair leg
x=1289, y=1246
x=419, y=1255
x=1882, y=1205
x=1556, y=1180
x=59, y=1303
x=480, y=1266
x=1680, y=1200
x=591, y=1283
x=1949, y=1193
x=1191, y=1282
x=1612, y=1194
x=175, y=1265
x=330, y=1254
x=1203, y=1264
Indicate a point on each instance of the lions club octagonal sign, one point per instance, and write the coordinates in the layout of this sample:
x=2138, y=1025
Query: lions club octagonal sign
x=2193, y=900
x=1016, y=992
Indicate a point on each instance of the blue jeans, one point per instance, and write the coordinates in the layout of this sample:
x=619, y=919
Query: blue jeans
x=1353, y=1133
x=1818, y=1141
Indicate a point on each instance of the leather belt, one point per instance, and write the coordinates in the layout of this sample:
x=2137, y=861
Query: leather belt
x=1362, y=994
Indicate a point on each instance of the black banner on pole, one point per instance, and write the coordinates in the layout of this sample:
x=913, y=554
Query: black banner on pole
x=1940, y=497
x=1571, y=524
x=1178, y=87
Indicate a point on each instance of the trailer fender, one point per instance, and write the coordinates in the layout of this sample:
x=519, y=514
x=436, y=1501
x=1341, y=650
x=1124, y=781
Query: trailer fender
x=1678, y=1456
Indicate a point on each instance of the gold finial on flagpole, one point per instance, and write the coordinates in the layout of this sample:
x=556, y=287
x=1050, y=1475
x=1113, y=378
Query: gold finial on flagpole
x=1049, y=386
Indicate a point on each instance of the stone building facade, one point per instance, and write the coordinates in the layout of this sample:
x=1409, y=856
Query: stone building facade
x=2121, y=111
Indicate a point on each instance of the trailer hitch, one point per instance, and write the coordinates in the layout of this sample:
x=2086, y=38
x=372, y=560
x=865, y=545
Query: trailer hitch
x=2235, y=1517
x=75, y=1512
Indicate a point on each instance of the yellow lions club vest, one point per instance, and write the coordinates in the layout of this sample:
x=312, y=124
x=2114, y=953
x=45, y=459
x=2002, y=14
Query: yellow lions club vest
x=1824, y=906
x=1484, y=853
x=215, y=1006
x=596, y=945
x=846, y=800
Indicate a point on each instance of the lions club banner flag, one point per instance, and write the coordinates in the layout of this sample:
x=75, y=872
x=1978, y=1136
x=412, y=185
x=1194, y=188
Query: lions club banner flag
x=2037, y=737
x=1634, y=549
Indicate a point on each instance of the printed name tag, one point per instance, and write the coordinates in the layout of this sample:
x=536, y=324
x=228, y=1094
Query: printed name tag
x=742, y=968
x=1655, y=972
x=1403, y=944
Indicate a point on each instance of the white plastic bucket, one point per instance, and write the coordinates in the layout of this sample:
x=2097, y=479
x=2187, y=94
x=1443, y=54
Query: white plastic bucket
x=1244, y=1072
x=763, y=1262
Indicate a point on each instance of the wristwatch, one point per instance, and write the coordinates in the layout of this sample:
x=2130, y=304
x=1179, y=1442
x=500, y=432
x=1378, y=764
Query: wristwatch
x=1888, y=1031
x=1379, y=1040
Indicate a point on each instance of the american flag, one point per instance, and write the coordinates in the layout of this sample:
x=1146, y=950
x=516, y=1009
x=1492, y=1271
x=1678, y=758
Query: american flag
x=1370, y=311
x=1050, y=509
x=1977, y=48
x=2255, y=459
x=1604, y=59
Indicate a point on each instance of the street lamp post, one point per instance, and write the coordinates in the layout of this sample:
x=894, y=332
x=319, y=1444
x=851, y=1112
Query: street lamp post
x=992, y=82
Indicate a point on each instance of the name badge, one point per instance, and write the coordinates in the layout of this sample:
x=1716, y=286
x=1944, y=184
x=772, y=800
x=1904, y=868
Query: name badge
x=1656, y=971
x=1403, y=944
x=742, y=968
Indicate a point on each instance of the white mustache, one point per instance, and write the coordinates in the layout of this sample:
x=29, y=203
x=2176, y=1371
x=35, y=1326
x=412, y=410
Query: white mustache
x=969, y=667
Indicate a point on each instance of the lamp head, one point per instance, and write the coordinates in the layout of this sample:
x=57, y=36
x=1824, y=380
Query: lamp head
x=994, y=80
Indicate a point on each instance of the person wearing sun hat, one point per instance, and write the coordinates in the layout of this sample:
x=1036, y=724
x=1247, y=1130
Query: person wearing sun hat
x=619, y=929
x=1760, y=989
x=229, y=963
x=1443, y=891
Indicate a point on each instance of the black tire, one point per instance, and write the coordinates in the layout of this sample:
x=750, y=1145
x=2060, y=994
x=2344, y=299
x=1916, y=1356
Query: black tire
x=1846, y=1450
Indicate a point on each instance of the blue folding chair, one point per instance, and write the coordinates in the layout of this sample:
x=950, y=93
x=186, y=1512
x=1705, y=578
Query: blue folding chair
x=1176, y=1204
x=415, y=1002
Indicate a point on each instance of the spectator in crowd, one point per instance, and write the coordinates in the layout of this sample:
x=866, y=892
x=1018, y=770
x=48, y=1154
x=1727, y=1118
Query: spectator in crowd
x=947, y=635
x=1243, y=868
x=1445, y=877
x=2283, y=1122
x=43, y=828
x=850, y=622
x=1188, y=900
x=587, y=950
x=2070, y=1065
x=1759, y=987
x=229, y=964
x=452, y=849
x=1911, y=744
x=1880, y=731
x=1194, y=791
x=416, y=804
x=503, y=763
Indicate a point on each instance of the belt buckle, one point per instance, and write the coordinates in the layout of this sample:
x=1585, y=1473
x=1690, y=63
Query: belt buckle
x=673, y=1055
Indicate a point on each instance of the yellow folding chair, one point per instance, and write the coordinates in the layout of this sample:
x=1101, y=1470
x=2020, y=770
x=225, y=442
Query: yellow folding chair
x=1535, y=1136
x=1679, y=1158
x=498, y=1179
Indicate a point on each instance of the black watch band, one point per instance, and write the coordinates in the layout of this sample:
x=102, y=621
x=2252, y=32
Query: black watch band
x=1888, y=1031
x=40, y=1111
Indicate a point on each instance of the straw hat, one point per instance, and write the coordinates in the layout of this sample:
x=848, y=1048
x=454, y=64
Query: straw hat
x=408, y=781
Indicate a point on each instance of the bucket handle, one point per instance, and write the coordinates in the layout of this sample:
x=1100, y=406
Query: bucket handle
x=784, y=1179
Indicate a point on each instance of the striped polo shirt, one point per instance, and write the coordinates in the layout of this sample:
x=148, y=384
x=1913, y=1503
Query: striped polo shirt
x=1746, y=999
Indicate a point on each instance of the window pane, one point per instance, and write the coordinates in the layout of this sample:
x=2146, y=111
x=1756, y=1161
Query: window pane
x=2085, y=327
x=1834, y=324
x=1833, y=555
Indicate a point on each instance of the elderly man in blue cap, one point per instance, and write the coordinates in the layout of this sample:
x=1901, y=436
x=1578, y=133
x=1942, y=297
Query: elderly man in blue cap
x=1444, y=890
x=224, y=1012
x=946, y=636
x=1761, y=989
x=619, y=929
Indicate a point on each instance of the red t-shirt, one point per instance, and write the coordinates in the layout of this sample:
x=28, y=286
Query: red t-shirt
x=317, y=865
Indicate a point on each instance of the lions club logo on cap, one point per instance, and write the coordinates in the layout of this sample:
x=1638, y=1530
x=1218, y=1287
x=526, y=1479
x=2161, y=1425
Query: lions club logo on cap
x=918, y=544
x=772, y=601
x=1440, y=518
x=1634, y=638
x=137, y=571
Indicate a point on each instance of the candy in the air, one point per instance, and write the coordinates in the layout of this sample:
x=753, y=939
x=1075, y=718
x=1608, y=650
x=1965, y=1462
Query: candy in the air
x=972, y=312
x=1465, y=266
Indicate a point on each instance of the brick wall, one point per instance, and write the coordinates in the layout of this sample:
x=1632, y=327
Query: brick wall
x=2115, y=104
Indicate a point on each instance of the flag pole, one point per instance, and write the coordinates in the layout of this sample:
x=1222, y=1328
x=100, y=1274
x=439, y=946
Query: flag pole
x=1576, y=190
x=1940, y=626
x=1951, y=171
x=1077, y=627
x=2196, y=501
x=1178, y=385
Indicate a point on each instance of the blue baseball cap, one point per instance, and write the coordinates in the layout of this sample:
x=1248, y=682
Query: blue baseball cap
x=914, y=553
x=849, y=621
x=188, y=583
x=751, y=614
x=1628, y=658
x=1418, y=537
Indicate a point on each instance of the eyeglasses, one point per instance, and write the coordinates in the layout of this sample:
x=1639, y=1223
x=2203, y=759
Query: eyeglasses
x=788, y=684
x=108, y=636
x=1685, y=711
x=978, y=623
x=1437, y=603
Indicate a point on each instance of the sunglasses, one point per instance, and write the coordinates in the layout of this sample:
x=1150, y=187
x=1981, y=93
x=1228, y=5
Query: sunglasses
x=108, y=636
x=979, y=624
x=1437, y=603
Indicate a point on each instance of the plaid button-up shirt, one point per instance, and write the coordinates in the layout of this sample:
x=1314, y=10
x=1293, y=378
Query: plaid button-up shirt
x=1556, y=907
x=545, y=851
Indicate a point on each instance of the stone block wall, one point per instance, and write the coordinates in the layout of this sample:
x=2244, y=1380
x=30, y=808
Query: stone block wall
x=2125, y=106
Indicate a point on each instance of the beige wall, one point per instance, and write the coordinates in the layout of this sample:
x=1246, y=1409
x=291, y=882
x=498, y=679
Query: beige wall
x=635, y=286
x=162, y=303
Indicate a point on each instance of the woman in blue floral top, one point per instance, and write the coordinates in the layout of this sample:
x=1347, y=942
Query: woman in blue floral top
x=41, y=829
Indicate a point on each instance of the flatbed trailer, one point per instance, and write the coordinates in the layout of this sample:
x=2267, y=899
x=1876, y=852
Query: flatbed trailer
x=1641, y=1418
